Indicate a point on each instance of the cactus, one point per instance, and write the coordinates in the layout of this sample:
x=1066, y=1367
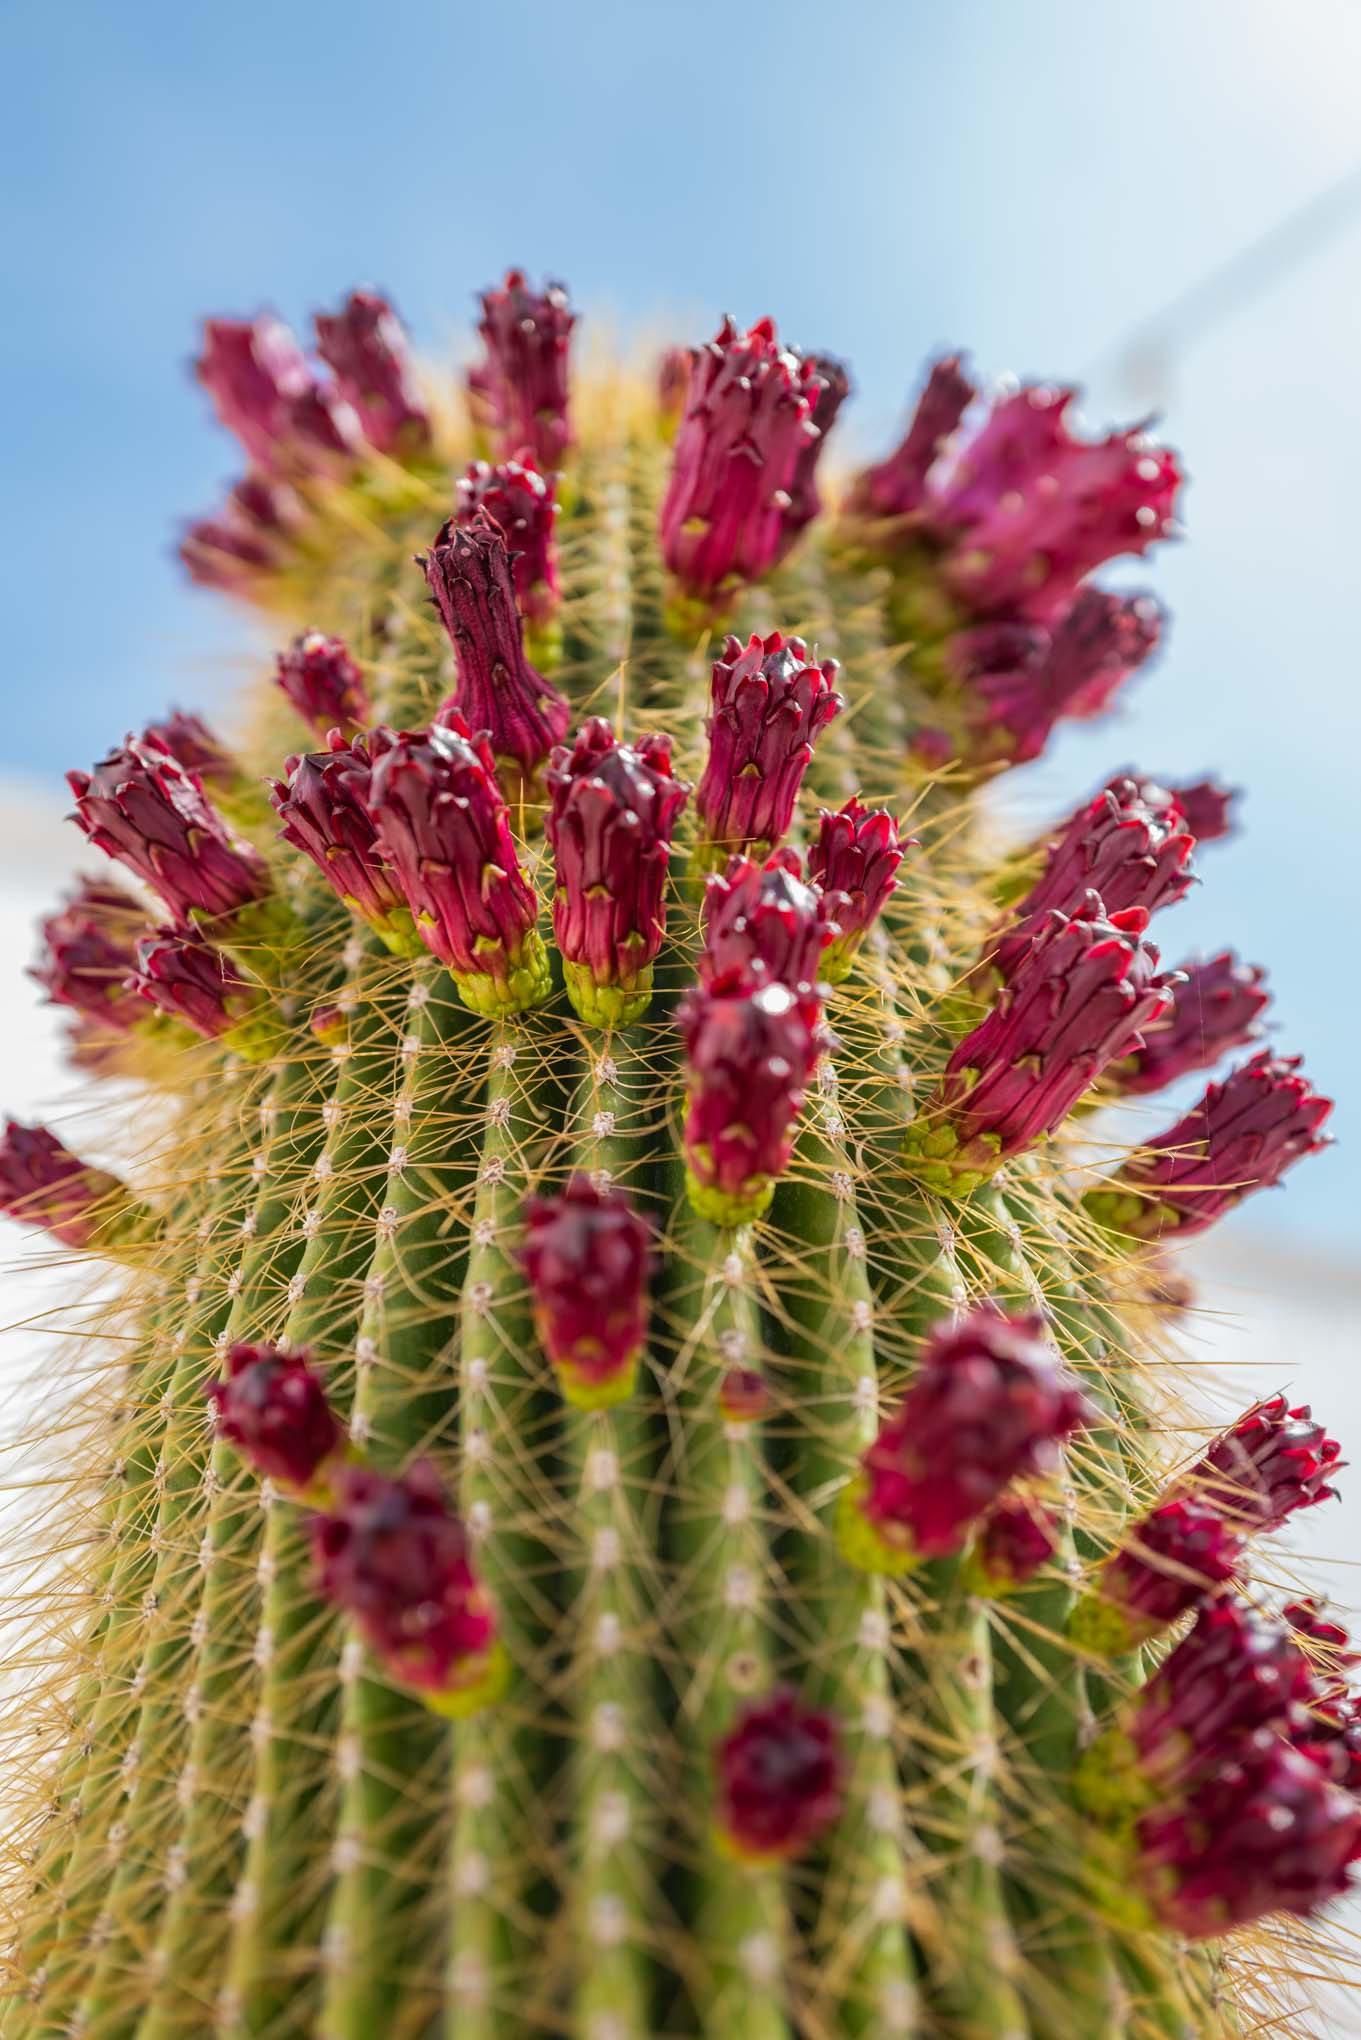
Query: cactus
x=640, y=1486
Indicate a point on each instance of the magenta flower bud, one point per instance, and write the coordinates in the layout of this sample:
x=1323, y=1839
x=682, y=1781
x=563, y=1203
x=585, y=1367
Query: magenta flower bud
x=468, y=569
x=744, y=1396
x=587, y=1255
x=89, y=946
x=897, y=486
x=43, y=1184
x=1266, y=1832
x=779, y=1777
x=1232, y=1673
x=1076, y=1001
x=272, y=1406
x=1242, y=1136
x=1180, y=1553
x=522, y=505
x=1130, y=844
x=750, y=1055
x=1214, y=1010
x=323, y=804
x=325, y=435
x=828, y=394
x=1016, y=1539
x=443, y=830
x=521, y=390
x=1019, y=680
x=747, y=423
x=393, y=1555
x=1273, y=1461
x=322, y=681
x=152, y=815
x=990, y=1401
x=767, y=706
x=189, y=741
x=855, y=855
x=255, y=372
x=184, y=977
x=1208, y=808
x=612, y=808
x=247, y=540
x=762, y=924
x=365, y=348
x=1330, y=1733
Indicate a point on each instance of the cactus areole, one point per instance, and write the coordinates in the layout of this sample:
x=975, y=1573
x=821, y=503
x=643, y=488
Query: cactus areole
x=610, y=1488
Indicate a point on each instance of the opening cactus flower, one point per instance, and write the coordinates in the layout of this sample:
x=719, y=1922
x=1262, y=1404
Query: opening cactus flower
x=396, y=1558
x=1016, y=1539
x=855, y=856
x=805, y=502
x=184, y=977
x=1019, y=680
x=443, y=829
x=266, y=394
x=763, y=924
x=779, y=1778
x=323, y=805
x=522, y=504
x=1076, y=1001
x=1216, y=1008
x=1242, y=1136
x=520, y=391
x=89, y=946
x=365, y=348
x=989, y=1401
x=750, y=1054
x=1180, y=1553
x=767, y=706
x=739, y=453
x=587, y=1255
x=43, y=1184
x=152, y=815
x=897, y=486
x=1272, y=1462
x=612, y=808
x=271, y=1405
x=321, y=680
x=468, y=569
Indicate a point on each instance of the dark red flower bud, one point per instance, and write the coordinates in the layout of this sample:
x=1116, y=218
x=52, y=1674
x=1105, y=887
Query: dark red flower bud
x=1233, y=1671
x=443, y=830
x=272, y=1406
x=1330, y=1733
x=747, y=422
x=897, y=486
x=990, y=1401
x=1242, y=1136
x=396, y=1558
x=1175, y=1556
x=1130, y=844
x=189, y=741
x=1208, y=808
x=89, y=946
x=750, y=1054
x=365, y=348
x=855, y=855
x=324, y=434
x=1328, y=1645
x=1018, y=679
x=183, y=976
x=744, y=1396
x=587, y=1255
x=1075, y=1002
x=1017, y=1538
x=468, y=569
x=324, y=808
x=152, y=815
x=1273, y=1461
x=322, y=681
x=829, y=393
x=521, y=390
x=764, y=925
x=522, y=505
x=612, y=809
x=778, y=1778
x=254, y=371
x=43, y=1184
x=767, y=705
x=247, y=540
x=1216, y=1009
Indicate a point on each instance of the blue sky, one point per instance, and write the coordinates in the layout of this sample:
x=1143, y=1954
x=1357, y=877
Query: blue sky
x=1032, y=181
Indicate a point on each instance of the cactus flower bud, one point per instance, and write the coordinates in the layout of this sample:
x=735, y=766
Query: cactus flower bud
x=321, y=680
x=1331, y=1732
x=1178, y=1554
x=43, y=1184
x=763, y=924
x=520, y=391
x=1208, y=809
x=272, y=1406
x=468, y=569
x=897, y=486
x=989, y=1401
x=748, y=420
x=1214, y=1010
x=779, y=1775
x=828, y=393
x=522, y=505
x=152, y=815
x=185, y=977
x=366, y=350
x=612, y=808
x=1273, y=1461
x=1016, y=1538
x=1018, y=680
x=189, y=741
x=767, y=705
x=856, y=854
x=1242, y=1136
x=254, y=371
x=587, y=1255
x=89, y=946
x=396, y=1558
x=324, y=807
x=1076, y=1001
x=744, y=1396
x=443, y=830
x=246, y=540
x=750, y=1055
